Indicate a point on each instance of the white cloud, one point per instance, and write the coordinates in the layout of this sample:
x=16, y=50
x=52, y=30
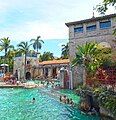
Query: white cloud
x=45, y=18
x=29, y=30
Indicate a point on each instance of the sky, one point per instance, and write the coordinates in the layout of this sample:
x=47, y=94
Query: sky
x=22, y=20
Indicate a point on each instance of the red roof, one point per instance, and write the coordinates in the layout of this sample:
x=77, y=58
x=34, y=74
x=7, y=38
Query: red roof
x=64, y=61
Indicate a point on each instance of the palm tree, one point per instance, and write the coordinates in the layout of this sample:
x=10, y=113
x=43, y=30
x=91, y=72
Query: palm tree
x=24, y=48
x=65, y=51
x=5, y=45
x=86, y=56
x=37, y=43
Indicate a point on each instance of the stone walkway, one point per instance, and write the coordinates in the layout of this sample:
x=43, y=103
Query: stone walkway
x=5, y=85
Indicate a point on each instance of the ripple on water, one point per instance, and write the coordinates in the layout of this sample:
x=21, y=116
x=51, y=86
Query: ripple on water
x=16, y=104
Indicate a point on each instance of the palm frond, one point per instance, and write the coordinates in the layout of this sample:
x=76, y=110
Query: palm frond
x=37, y=43
x=32, y=40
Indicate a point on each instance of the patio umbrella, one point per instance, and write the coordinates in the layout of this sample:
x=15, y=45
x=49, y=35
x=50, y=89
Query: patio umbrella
x=2, y=65
x=5, y=65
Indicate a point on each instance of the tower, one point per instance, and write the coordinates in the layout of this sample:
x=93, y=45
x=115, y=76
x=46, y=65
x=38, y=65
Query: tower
x=31, y=67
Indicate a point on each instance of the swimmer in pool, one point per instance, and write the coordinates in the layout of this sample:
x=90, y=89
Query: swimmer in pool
x=33, y=100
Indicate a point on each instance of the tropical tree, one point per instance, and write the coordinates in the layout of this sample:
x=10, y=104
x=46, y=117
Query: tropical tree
x=1, y=59
x=10, y=56
x=65, y=51
x=5, y=45
x=24, y=49
x=103, y=7
x=86, y=56
x=37, y=43
x=46, y=56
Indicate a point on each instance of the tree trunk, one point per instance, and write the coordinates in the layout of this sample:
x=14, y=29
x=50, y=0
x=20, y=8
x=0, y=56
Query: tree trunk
x=84, y=75
x=9, y=65
x=37, y=54
x=25, y=67
x=5, y=61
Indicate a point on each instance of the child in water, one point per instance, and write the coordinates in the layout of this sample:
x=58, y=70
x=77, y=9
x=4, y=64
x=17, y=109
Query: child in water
x=60, y=98
x=71, y=102
x=33, y=100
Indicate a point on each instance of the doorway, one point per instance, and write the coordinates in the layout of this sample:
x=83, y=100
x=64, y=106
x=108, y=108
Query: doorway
x=46, y=72
x=54, y=73
x=28, y=76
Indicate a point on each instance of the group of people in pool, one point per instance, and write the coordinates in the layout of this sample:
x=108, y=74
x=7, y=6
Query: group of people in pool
x=66, y=100
x=63, y=99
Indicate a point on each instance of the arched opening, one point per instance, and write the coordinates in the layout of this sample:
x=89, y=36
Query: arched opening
x=64, y=78
x=28, y=76
x=54, y=73
x=46, y=72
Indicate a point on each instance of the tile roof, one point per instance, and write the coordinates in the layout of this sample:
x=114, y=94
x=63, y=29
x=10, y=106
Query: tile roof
x=64, y=61
x=90, y=20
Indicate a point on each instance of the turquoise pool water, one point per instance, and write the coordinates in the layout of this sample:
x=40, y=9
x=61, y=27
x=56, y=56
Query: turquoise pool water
x=16, y=104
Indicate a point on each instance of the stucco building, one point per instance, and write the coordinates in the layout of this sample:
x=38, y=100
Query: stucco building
x=36, y=69
x=56, y=69
x=31, y=64
x=97, y=29
x=51, y=68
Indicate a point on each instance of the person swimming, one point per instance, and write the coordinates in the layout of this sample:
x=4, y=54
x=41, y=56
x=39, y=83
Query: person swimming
x=67, y=100
x=33, y=100
x=60, y=98
x=71, y=102
x=64, y=99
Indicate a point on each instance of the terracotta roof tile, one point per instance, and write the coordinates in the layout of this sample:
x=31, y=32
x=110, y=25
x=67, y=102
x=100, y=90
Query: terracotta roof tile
x=64, y=61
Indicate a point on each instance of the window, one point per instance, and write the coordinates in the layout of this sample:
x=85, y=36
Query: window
x=106, y=24
x=91, y=28
x=28, y=62
x=78, y=29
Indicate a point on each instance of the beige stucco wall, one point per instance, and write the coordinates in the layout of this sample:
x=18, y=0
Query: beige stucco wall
x=19, y=65
x=50, y=68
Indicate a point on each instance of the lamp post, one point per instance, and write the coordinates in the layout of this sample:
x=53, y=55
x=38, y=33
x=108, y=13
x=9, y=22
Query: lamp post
x=71, y=79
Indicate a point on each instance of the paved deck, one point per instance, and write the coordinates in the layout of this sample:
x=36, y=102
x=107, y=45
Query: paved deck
x=4, y=85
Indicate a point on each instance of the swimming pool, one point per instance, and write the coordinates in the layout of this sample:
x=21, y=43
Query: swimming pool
x=16, y=104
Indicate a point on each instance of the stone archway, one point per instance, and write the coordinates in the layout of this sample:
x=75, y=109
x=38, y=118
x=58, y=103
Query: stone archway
x=28, y=76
